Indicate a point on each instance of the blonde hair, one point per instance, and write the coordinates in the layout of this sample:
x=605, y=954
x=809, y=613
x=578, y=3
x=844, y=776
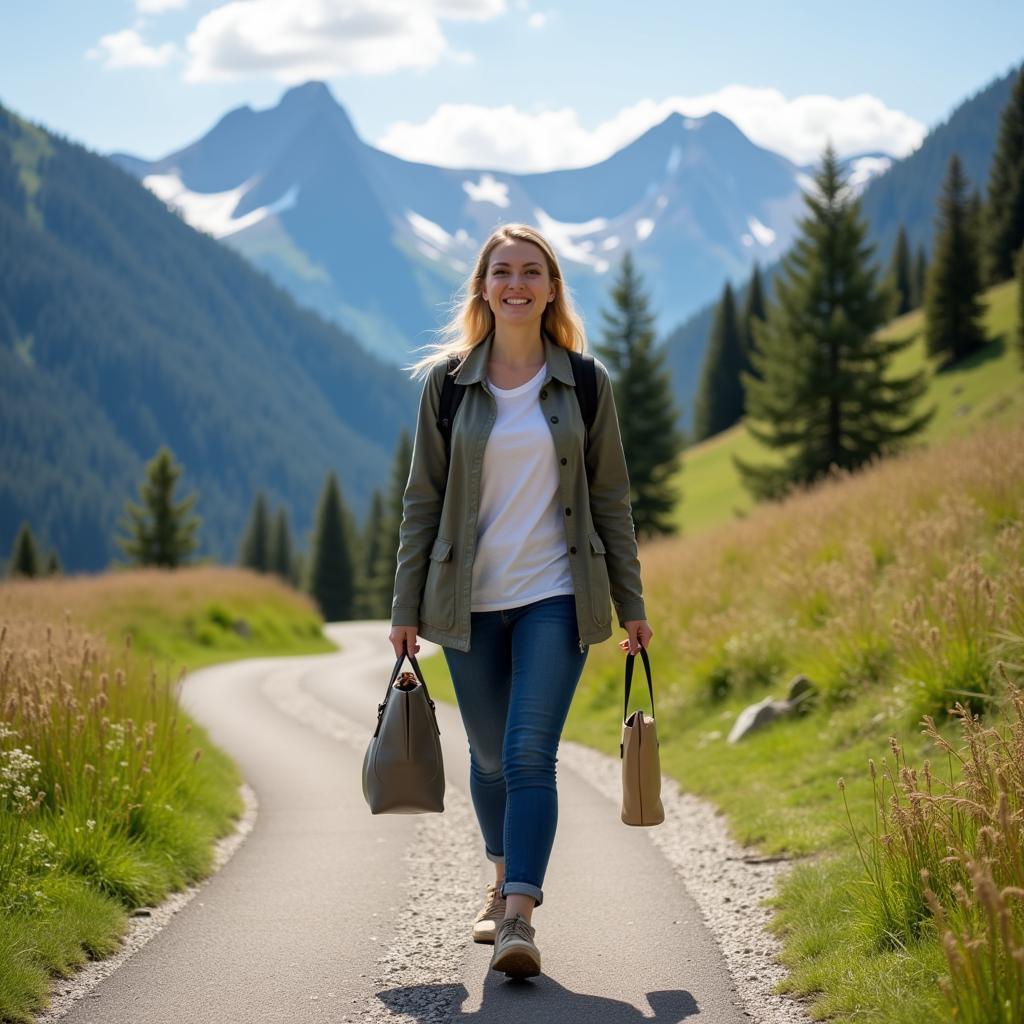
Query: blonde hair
x=471, y=318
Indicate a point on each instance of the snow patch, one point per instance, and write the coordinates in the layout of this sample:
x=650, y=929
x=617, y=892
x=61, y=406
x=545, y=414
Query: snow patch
x=487, y=190
x=865, y=168
x=610, y=242
x=692, y=123
x=563, y=236
x=428, y=231
x=644, y=226
x=213, y=212
x=428, y=250
x=675, y=158
x=761, y=232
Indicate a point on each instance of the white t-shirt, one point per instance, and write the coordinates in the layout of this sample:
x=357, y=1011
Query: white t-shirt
x=521, y=550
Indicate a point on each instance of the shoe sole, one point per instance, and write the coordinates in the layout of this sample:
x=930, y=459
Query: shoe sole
x=486, y=940
x=517, y=962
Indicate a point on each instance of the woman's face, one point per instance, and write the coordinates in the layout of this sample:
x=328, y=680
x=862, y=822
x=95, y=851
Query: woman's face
x=517, y=285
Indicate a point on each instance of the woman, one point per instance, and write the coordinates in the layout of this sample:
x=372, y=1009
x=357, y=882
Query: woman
x=508, y=558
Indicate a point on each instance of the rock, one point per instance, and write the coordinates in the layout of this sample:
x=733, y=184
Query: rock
x=242, y=628
x=799, y=695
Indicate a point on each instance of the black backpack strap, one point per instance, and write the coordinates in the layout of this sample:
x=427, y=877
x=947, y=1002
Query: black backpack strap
x=451, y=396
x=585, y=374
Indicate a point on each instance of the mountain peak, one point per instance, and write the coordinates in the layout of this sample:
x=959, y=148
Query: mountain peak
x=309, y=93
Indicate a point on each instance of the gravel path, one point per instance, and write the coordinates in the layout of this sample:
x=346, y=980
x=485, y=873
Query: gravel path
x=690, y=940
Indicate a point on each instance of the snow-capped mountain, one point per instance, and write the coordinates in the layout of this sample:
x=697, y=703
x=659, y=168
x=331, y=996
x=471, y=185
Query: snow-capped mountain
x=380, y=244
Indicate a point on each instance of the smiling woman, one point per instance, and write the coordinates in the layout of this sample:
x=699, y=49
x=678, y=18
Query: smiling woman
x=517, y=529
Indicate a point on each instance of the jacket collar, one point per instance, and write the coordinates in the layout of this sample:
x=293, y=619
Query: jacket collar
x=474, y=368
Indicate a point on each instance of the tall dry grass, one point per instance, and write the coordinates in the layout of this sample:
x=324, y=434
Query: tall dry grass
x=905, y=574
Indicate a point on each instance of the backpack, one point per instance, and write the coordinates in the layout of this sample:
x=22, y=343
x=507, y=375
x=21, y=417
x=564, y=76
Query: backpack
x=586, y=394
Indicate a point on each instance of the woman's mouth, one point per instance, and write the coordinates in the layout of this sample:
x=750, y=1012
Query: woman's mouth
x=516, y=302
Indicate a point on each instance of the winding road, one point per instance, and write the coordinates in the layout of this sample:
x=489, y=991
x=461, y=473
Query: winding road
x=329, y=914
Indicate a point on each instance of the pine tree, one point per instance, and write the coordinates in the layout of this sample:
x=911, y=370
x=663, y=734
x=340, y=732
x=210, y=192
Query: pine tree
x=824, y=399
x=1004, y=213
x=24, y=555
x=53, y=566
x=899, y=273
x=254, y=550
x=754, y=309
x=920, y=279
x=279, y=556
x=382, y=580
x=720, y=398
x=643, y=396
x=160, y=531
x=331, y=565
x=952, y=296
x=366, y=603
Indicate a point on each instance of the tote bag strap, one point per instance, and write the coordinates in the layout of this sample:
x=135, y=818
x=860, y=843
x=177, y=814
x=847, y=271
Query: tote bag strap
x=629, y=680
x=391, y=682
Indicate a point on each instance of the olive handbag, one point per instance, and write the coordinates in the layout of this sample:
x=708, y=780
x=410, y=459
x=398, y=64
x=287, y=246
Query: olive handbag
x=403, y=772
x=641, y=765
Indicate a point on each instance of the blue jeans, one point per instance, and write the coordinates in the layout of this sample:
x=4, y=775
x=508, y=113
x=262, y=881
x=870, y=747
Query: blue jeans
x=514, y=687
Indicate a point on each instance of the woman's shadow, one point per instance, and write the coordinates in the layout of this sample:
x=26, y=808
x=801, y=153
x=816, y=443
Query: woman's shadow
x=540, y=1001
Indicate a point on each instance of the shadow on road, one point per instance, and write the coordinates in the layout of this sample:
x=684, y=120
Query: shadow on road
x=542, y=1000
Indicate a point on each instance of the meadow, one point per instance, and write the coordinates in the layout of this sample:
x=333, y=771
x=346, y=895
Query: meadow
x=110, y=797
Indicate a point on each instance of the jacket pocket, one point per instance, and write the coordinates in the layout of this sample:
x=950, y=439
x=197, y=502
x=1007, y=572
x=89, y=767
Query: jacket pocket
x=600, y=597
x=438, y=605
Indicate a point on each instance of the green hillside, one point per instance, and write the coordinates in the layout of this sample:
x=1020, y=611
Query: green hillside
x=122, y=329
x=988, y=386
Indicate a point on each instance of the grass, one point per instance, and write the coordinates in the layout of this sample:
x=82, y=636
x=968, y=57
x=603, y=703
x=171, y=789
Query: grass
x=110, y=797
x=986, y=387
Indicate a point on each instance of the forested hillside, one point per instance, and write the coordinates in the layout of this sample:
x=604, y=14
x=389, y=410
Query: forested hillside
x=122, y=329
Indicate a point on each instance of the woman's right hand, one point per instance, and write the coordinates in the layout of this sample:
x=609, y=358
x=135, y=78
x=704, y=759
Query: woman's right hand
x=404, y=637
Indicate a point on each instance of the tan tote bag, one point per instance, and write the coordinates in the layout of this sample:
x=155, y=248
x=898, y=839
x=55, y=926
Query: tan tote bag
x=403, y=772
x=641, y=765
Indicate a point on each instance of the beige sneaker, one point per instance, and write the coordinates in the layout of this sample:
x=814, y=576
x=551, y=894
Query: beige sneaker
x=485, y=926
x=515, y=952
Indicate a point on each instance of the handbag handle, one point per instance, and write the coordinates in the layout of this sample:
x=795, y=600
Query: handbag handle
x=391, y=682
x=629, y=680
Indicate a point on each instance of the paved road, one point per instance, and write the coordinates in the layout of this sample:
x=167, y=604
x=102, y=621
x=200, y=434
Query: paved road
x=303, y=922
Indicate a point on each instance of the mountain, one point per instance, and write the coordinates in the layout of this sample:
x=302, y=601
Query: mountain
x=895, y=192
x=380, y=244
x=122, y=329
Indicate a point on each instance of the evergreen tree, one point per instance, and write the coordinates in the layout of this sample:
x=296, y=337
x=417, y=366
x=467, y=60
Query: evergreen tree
x=331, y=564
x=720, y=398
x=53, y=566
x=900, y=274
x=754, y=309
x=160, y=531
x=382, y=579
x=24, y=555
x=952, y=295
x=373, y=534
x=1004, y=214
x=279, y=556
x=920, y=279
x=254, y=550
x=824, y=399
x=643, y=397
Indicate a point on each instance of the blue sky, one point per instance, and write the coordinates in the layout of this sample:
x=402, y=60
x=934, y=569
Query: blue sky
x=516, y=84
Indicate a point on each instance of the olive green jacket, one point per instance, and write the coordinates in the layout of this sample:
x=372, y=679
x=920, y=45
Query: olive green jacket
x=437, y=541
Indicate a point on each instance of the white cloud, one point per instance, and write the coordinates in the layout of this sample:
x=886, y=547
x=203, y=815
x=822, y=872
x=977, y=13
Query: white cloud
x=305, y=39
x=126, y=49
x=158, y=6
x=507, y=138
x=537, y=20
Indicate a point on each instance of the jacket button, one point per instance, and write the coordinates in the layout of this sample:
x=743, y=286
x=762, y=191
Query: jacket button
x=554, y=419
x=564, y=461
x=543, y=394
x=568, y=511
x=572, y=551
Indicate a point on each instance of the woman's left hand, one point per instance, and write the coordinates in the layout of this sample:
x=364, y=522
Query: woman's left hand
x=640, y=634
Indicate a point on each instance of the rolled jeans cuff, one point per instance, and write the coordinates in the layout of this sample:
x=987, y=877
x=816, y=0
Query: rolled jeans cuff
x=494, y=858
x=523, y=888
